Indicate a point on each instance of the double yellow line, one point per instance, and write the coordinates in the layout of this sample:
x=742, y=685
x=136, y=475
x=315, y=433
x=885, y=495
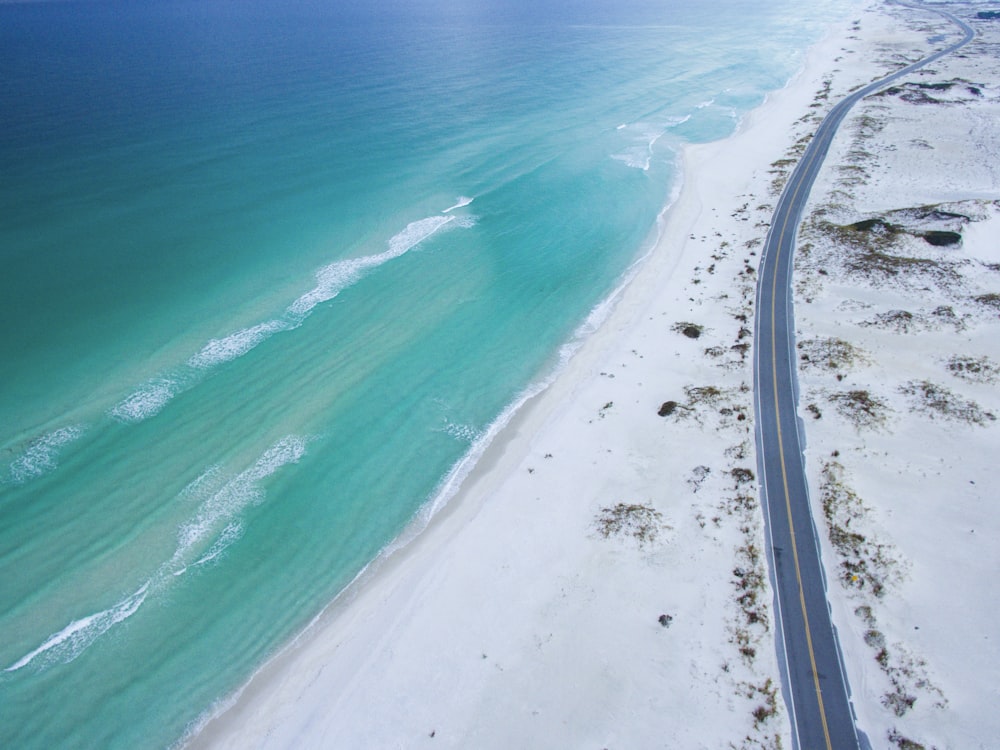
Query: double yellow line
x=781, y=454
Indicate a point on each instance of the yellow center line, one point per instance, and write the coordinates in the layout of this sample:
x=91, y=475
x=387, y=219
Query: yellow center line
x=784, y=473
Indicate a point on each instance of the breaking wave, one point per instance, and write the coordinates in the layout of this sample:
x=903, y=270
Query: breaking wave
x=639, y=153
x=150, y=398
x=146, y=401
x=40, y=455
x=219, y=511
x=73, y=640
x=203, y=539
x=218, y=351
x=463, y=201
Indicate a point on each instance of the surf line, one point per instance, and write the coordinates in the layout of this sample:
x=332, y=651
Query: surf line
x=148, y=399
x=217, y=524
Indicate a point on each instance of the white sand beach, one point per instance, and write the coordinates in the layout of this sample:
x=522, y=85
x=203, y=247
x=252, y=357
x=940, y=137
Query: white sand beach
x=599, y=580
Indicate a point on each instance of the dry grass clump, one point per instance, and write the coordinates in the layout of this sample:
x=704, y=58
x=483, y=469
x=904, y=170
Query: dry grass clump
x=829, y=354
x=698, y=476
x=974, y=369
x=769, y=693
x=874, y=241
x=702, y=394
x=642, y=523
x=877, y=265
x=701, y=402
x=867, y=234
x=865, y=563
x=921, y=92
x=904, y=743
x=991, y=300
x=907, y=673
x=861, y=408
x=900, y=321
x=936, y=400
x=750, y=580
x=904, y=321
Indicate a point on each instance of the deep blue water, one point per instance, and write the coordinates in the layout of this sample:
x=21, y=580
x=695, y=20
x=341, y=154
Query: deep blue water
x=271, y=270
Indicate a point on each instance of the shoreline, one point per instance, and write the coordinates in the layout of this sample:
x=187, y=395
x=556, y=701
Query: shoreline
x=358, y=626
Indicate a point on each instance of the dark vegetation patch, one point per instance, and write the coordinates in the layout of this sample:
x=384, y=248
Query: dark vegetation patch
x=865, y=564
x=903, y=743
x=941, y=238
x=974, y=369
x=668, y=408
x=877, y=265
x=698, y=476
x=750, y=580
x=920, y=92
x=907, y=673
x=903, y=321
x=691, y=330
x=829, y=354
x=876, y=238
x=991, y=300
x=769, y=693
x=861, y=408
x=938, y=401
x=702, y=394
x=930, y=214
x=640, y=522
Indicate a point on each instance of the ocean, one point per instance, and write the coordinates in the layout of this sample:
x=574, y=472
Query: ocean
x=274, y=274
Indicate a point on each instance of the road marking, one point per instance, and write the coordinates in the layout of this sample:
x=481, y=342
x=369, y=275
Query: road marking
x=821, y=140
x=781, y=456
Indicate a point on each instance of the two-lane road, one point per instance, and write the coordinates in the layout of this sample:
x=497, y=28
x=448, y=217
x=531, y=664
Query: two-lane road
x=813, y=681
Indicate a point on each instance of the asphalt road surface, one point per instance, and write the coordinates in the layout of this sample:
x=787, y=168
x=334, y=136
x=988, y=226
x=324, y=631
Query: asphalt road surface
x=813, y=680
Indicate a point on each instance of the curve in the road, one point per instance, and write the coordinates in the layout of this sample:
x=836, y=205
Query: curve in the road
x=813, y=679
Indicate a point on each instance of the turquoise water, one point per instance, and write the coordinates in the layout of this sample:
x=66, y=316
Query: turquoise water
x=271, y=271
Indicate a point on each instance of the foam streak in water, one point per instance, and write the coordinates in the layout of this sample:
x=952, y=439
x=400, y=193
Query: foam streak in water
x=218, y=351
x=146, y=401
x=334, y=278
x=40, y=455
x=639, y=155
x=72, y=640
x=151, y=397
x=218, y=516
x=462, y=202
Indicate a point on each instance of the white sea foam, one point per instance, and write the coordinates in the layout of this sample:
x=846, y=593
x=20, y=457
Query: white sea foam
x=639, y=154
x=334, y=278
x=71, y=641
x=207, y=483
x=466, y=433
x=150, y=398
x=230, y=534
x=220, y=510
x=330, y=280
x=146, y=401
x=218, y=351
x=415, y=233
x=40, y=455
x=462, y=202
